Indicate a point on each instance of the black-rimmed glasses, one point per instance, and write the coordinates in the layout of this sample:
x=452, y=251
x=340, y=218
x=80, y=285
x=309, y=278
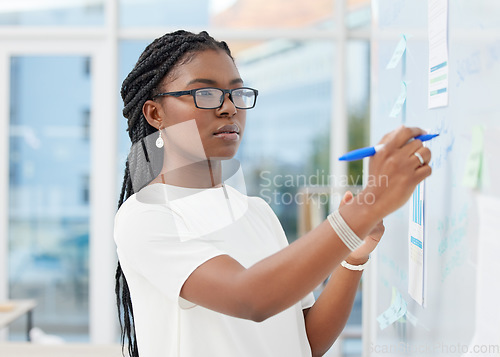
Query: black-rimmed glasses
x=213, y=98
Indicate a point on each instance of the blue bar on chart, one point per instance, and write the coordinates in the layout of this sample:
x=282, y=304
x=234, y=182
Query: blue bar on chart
x=416, y=242
x=417, y=209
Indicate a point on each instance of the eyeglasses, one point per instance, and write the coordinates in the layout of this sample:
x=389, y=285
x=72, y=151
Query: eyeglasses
x=213, y=98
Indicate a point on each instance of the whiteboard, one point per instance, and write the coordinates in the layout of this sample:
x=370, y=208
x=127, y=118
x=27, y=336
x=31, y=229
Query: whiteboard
x=447, y=324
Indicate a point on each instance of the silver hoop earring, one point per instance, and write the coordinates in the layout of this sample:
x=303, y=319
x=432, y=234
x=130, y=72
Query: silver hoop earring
x=159, y=141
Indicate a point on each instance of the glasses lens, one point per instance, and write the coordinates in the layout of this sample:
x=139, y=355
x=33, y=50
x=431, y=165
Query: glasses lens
x=243, y=98
x=208, y=98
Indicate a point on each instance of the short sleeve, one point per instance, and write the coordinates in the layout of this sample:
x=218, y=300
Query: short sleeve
x=308, y=301
x=272, y=220
x=160, y=249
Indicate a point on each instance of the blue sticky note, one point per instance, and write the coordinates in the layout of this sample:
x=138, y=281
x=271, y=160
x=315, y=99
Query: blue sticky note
x=398, y=53
x=398, y=105
x=396, y=311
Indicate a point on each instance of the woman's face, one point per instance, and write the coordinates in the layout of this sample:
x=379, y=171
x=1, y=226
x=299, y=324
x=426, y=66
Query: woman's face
x=206, y=69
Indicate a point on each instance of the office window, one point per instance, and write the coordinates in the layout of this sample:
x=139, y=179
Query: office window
x=237, y=14
x=52, y=13
x=172, y=13
x=85, y=115
x=286, y=142
x=48, y=212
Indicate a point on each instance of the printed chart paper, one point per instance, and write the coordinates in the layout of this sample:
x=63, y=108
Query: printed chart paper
x=438, y=53
x=416, y=269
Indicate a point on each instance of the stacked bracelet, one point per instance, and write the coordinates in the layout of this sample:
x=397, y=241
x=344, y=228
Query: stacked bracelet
x=345, y=233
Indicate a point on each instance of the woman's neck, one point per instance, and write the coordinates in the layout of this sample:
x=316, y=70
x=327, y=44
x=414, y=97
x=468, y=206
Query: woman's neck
x=201, y=174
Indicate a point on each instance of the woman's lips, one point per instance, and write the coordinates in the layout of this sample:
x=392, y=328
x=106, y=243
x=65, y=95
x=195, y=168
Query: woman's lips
x=232, y=136
x=228, y=132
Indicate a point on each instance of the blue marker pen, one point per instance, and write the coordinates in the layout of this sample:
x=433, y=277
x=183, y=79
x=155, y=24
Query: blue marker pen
x=371, y=150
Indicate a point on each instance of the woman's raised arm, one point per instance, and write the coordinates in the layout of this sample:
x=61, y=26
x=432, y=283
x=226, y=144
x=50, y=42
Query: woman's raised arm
x=282, y=279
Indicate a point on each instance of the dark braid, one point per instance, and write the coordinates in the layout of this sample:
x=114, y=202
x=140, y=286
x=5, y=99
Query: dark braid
x=155, y=63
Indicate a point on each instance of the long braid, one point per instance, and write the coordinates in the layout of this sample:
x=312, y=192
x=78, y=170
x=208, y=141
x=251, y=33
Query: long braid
x=154, y=64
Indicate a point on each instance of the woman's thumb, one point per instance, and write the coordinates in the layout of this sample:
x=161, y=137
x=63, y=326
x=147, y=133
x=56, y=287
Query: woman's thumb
x=347, y=197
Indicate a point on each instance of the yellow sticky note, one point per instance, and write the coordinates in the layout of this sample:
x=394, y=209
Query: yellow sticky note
x=473, y=166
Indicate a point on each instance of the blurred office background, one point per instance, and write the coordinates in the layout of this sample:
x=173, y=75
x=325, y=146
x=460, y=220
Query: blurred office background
x=64, y=140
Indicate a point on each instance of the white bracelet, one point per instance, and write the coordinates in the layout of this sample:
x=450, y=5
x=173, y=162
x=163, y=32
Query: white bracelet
x=345, y=233
x=354, y=267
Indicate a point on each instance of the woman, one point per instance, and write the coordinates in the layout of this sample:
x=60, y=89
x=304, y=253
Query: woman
x=205, y=270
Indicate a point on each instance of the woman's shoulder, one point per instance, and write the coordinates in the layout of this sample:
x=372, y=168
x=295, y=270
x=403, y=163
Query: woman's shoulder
x=260, y=204
x=138, y=221
x=149, y=201
x=255, y=202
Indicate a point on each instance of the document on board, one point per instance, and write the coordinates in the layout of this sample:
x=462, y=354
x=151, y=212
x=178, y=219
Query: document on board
x=416, y=268
x=438, y=53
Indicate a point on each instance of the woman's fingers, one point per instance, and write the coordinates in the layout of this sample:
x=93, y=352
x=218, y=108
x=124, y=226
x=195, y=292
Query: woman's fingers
x=411, y=147
x=397, y=168
x=347, y=197
x=422, y=172
x=418, y=154
x=399, y=137
x=421, y=157
x=377, y=232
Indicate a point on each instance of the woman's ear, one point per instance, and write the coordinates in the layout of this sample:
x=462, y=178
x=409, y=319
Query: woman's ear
x=152, y=112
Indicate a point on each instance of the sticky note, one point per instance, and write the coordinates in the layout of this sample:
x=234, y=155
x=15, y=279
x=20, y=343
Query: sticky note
x=396, y=310
x=473, y=165
x=398, y=105
x=398, y=53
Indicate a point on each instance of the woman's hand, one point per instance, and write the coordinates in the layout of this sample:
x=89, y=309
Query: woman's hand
x=361, y=255
x=395, y=170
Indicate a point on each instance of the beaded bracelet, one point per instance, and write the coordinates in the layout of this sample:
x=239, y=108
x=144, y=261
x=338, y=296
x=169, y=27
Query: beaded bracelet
x=345, y=233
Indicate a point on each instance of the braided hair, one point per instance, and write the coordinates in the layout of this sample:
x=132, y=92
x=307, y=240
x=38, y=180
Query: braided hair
x=155, y=63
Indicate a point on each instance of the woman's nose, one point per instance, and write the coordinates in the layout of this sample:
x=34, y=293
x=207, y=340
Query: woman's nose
x=227, y=108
